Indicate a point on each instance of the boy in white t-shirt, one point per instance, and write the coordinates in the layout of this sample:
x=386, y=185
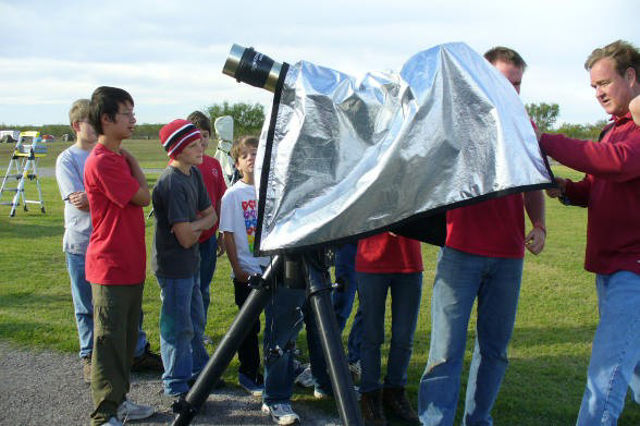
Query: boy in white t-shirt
x=238, y=222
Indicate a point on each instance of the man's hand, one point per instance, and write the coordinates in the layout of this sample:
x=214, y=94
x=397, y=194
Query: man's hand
x=220, y=240
x=241, y=276
x=79, y=200
x=559, y=191
x=534, y=241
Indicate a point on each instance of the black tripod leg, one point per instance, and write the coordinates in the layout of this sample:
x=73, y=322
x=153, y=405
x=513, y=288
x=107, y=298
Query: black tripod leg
x=320, y=300
x=226, y=349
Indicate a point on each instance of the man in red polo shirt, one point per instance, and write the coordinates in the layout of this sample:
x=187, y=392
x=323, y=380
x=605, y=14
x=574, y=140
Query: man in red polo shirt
x=116, y=257
x=483, y=259
x=611, y=192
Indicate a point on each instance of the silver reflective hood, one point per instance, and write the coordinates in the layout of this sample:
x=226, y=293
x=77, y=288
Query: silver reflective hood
x=343, y=157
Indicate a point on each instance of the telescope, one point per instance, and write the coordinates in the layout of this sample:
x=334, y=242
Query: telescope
x=251, y=67
x=341, y=158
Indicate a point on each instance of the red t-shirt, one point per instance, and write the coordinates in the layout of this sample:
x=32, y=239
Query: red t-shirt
x=610, y=191
x=116, y=254
x=493, y=228
x=388, y=254
x=214, y=182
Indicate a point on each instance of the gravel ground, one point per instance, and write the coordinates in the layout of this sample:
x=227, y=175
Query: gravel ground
x=46, y=388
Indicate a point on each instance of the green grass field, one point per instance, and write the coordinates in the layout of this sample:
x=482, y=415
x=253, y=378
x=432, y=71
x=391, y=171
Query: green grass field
x=549, y=352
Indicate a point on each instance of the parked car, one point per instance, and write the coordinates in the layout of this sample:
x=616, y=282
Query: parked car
x=9, y=136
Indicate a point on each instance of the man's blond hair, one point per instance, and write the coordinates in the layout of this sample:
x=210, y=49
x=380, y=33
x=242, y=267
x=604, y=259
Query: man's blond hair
x=624, y=54
x=79, y=111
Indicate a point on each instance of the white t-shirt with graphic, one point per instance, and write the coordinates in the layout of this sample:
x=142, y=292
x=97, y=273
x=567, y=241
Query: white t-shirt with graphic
x=239, y=215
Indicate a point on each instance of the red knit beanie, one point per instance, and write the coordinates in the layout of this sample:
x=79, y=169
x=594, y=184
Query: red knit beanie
x=177, y=135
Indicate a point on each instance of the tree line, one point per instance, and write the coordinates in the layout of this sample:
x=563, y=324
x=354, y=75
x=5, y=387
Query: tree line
x=248, y=119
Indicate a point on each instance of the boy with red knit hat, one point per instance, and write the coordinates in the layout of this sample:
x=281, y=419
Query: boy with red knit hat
x=182, y=211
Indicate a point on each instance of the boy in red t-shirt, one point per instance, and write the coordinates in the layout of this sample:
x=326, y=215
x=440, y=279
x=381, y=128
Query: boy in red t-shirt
x=116, y=257
x=210, y=247
x=387, y=263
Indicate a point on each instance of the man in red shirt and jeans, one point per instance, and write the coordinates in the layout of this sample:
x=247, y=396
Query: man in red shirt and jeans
x=483, y=259
x=611, y=192
x=116, y=257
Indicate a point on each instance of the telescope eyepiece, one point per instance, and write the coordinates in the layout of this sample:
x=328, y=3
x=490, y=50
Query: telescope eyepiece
x=247, y=65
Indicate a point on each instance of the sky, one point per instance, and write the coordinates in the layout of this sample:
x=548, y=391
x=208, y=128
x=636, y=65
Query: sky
x=169, y=54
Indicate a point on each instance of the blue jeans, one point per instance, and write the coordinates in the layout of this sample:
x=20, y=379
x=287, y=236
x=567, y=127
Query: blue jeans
x=343, y=300
x=615, y=352
x=208, y=260
x=83, y=306
x=181, y=331
x=460, y=278
x=283, y=320
x=406, y=290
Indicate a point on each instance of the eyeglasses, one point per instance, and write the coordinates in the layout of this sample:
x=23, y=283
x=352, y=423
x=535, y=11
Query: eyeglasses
x=130, y=114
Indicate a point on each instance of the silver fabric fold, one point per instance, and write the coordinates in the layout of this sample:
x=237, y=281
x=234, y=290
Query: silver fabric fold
x=352, y=156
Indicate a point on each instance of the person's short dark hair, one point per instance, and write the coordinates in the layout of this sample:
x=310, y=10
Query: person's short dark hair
x=241, y=144
x=624, y=54
x=200, y=120
x=106, y=100
x=504, y=54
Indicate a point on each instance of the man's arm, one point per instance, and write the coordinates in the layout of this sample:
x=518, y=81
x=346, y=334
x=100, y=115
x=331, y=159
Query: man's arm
x=142, y=197
x=188, y=233
x=618, y=161
x=232, y=254
x=79, y=200
x=534, y=205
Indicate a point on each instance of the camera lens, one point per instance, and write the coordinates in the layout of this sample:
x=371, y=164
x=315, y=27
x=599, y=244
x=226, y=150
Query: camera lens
x=251, y=67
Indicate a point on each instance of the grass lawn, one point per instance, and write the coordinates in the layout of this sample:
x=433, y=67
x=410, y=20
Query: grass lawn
x=549, y=352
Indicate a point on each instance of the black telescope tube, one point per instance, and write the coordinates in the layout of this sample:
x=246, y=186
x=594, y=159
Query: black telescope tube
x=247, y=65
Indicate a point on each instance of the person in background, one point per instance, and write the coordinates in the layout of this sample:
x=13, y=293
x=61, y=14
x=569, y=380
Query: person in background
x=482, y=259
x=238, y=222
x=77, y=220
x=388, y=263
x=210, y=247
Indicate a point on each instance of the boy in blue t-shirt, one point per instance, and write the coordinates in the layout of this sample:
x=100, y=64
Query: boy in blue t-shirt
x=77, y=231
x=182, y=211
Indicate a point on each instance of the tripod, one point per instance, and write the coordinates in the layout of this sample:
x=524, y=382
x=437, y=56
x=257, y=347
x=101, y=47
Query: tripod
x=311, y=265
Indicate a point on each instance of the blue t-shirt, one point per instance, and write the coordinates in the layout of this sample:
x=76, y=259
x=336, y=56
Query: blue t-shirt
x=77, y=223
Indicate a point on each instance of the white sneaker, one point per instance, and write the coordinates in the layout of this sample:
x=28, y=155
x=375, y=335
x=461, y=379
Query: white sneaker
x=305, y=379
x=112, y=422
x=281, y=414
x=131, y=411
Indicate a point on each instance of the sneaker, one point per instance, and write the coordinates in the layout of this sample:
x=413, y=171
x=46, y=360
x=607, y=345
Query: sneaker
x=305, y=379
x=396, y=402
x=356, y=370
x=112, y=422
x=131, y=411
x=254, y=387
x=281, y=414
x=148, y=361
x=319, y=393
x=86, y=368
x=298, y=367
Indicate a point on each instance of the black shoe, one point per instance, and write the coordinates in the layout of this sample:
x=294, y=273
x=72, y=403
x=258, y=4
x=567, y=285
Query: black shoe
x=148, y=361
x=372, y=411
x=396, y=402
